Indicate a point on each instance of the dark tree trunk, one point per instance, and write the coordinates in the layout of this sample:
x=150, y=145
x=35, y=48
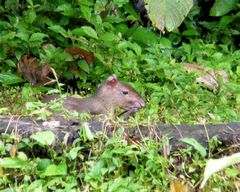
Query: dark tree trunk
x=67, y=131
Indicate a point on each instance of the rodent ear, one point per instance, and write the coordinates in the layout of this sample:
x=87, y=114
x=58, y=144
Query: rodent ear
x=112, y=81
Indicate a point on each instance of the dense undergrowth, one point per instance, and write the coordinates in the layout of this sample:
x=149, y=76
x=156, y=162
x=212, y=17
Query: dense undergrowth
x=105, y=164
x=153, y=63
x=115, y=39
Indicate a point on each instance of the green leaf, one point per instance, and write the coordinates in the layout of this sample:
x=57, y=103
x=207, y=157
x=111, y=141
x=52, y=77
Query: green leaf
x=44, y=137
x=8, y=36
x=225, y=21
x=109, y=37
x=167, y=14
x=13, y=163
x=66, y=9
x=2, y=9
x=142, y=35
x=86, y=11
x=191, y=32
x=4, y=52
x=37, y=37
x=2, y=147
x=73, y=153
x=10, y=63
x=136, y=48
x=87, y=2
x=78, y=32
x=53, y=170
x=44, y=164
x=116, y=185
x=23, y=35
x=113, y=19
x=21, y=155
x=196, y=145
x=222, y=7
x=83, y=65
x=30, y=2
x=87, y=133
x=31, y=16
x=165, y=43
x=215, y=165
x=58, y=29
x=96, y=169
x=9, y=78
x=89, y=31
x=4, y=110
x=133, y=46
x=232, y=172
x=82, y=75
x=129, y=8
x=120, y=3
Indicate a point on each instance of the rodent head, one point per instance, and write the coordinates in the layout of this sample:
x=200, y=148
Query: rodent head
x=116, y=94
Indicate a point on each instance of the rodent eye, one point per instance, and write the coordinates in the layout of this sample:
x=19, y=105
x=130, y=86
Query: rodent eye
x=124, y=92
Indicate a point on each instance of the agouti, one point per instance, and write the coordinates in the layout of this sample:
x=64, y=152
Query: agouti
x=111, y=95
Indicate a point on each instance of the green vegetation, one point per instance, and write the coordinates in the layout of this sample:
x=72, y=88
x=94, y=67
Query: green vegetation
x=98, y=163
x=114, y=37
x=120, y=45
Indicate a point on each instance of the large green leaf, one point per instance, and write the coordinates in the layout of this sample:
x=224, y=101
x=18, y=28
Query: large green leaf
x=222, y=7
x=44, y=137
x=87, y=134
x=83, y=65
x=167, y=14
x=37, y=37
x=13, y=163
x=196, y=145
x=67, y=9
x=9, y=78
x=142, y=35
x=89, y=31
x=58, y=29
x=53, y=170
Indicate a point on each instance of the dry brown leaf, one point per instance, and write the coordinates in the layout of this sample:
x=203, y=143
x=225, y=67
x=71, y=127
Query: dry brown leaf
x=74, y=70
x=132, y=140
x=74, y=51
x=177, y=186
x=13, y=150
x=10, y=52
x=208, y=78
x=193, y=68
x=2, y=172
x=29, y=68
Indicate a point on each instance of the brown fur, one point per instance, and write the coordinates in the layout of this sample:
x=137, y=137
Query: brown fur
x=111, y=95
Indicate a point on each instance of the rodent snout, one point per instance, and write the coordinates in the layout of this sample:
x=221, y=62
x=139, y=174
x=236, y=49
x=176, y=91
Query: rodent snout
x=142, y=103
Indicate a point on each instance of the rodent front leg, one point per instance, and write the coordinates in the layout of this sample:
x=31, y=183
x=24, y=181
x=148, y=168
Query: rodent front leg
x=129, y=112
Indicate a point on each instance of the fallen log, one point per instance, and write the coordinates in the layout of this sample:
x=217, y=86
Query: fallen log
x=67, y=131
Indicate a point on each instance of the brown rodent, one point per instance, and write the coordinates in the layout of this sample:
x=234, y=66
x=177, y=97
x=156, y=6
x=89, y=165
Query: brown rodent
x=111, y=95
